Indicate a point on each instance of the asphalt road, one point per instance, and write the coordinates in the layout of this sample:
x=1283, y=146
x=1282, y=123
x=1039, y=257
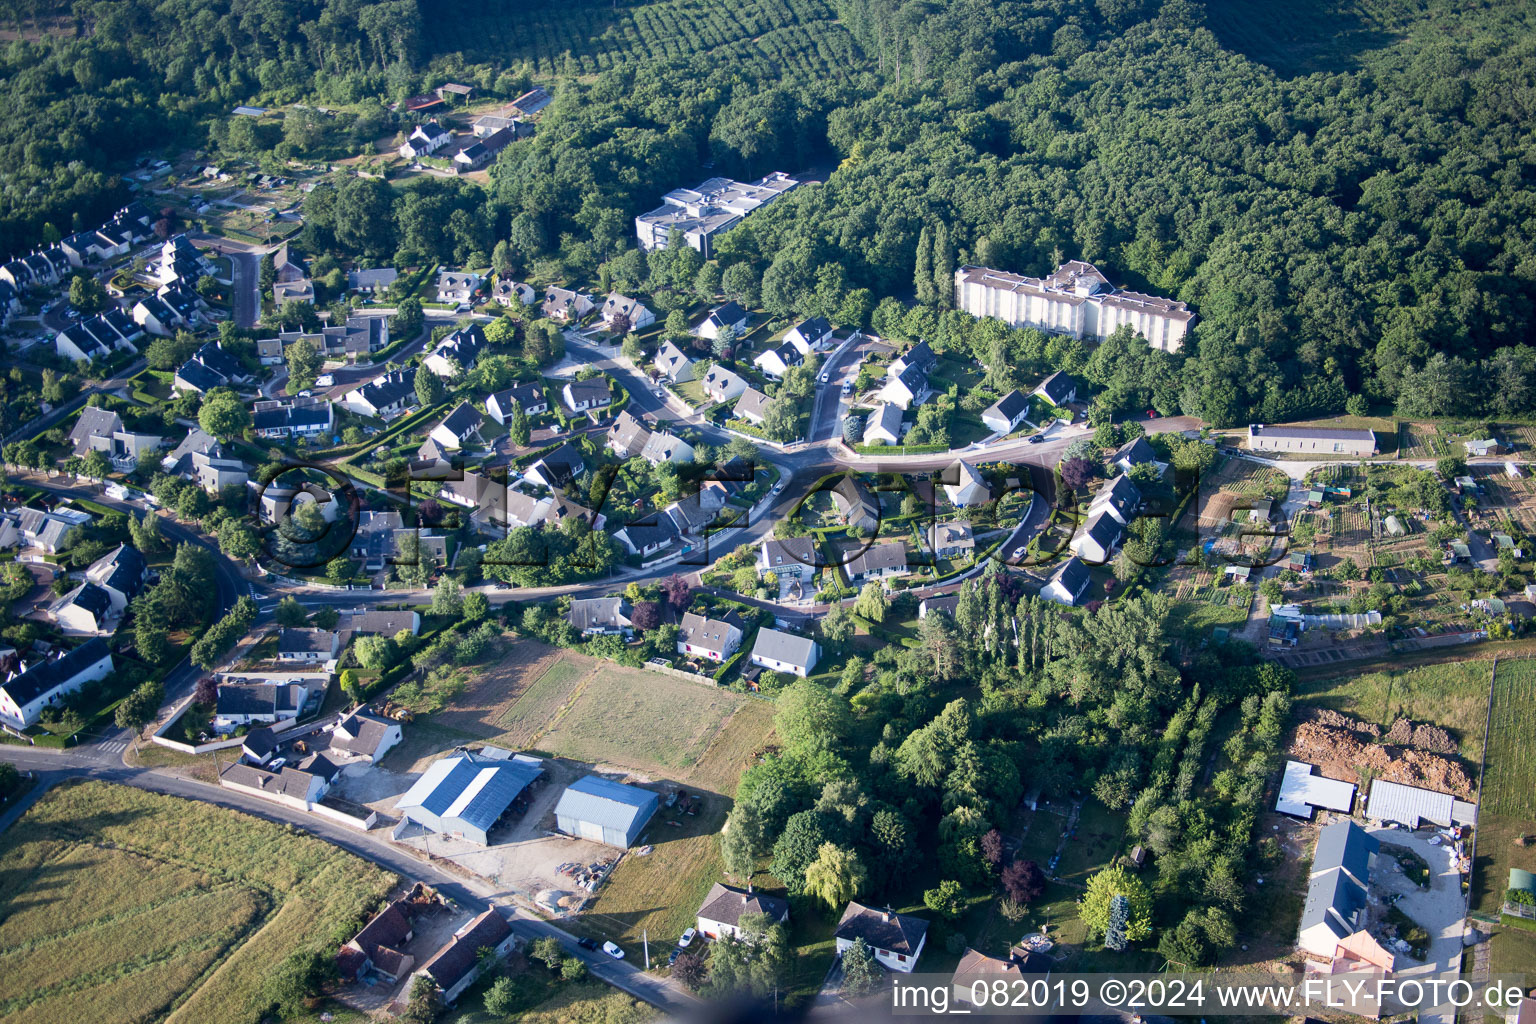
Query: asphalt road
x=55, y=766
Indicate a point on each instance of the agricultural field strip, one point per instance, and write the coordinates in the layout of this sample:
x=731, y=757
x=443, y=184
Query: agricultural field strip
x=1511, y=770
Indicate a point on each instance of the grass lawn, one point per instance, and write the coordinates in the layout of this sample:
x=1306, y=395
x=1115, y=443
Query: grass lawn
x=176, y=908
x=527, y=719
x=639, y=719
x=1453, y=696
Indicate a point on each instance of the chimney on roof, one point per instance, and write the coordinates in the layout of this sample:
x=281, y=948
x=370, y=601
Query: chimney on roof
x=885, y=915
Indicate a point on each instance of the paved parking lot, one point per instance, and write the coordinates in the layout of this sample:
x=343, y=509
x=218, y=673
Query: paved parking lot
x=1440, y=909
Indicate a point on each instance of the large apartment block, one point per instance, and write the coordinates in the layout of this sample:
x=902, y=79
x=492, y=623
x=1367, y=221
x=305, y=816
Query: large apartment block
x=701, y=213
x=1077, y=299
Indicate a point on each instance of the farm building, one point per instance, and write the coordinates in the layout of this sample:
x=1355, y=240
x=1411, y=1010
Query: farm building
x=465, y=796
x=1301, y=792
x=605, y=811
x=1333, y=440
x=1411, y=805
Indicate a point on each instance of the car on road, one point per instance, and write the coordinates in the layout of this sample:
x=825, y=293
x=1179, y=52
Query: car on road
x=1036, y=438
x=778, y=488
x=847, y=387
x=1018, y=552
x=587, y=942
x=613, y=951
x=826, y=377
x=306, y=394
x=325, y=380
x=687, y=939
x=659, y=393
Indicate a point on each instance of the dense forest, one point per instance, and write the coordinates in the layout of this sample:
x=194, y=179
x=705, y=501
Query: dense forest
x=1343, y=196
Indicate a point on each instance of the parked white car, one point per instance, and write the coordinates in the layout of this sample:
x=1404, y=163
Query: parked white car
x=613, y=951
x=687, y=939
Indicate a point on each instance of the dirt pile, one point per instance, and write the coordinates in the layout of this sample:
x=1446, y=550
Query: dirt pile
x=1420, y=737
x=1343, y=748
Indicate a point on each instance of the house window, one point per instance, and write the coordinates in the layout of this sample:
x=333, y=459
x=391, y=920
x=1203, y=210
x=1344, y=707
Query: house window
x=901, y=958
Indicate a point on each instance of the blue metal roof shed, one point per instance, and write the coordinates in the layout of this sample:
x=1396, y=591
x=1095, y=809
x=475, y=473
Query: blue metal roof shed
x=465, y=796
x=605, y=812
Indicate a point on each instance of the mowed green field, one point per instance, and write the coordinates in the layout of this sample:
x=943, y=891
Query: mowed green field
x=640, y=719
x=527, y=718
x=1453, y=696
x=118, y=905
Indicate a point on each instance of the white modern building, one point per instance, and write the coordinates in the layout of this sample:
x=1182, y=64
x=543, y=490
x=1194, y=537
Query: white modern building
x=717, y=205
x=1076, y=299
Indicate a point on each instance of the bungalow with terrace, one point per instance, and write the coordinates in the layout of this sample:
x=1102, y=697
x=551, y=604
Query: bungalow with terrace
x=308, y=646
x=565, y=305
x=87, y=609
x=425, y=140
x=601, y=616
x=1095, y=541
x=791, y=557
x=776, y=362
x=457, y=352
x=1068, y=583
x=722, y=385
x=855, y=505
x=711, y=639
x=374, y=281
x=904, y=389
x=883, y=425
x=920, y=355
x=293, y=417
x=807, y=334
x=753, y=406
x=628, y=436
x=290, y=282
x=592, y=393
x=378, y=947
x=729, y=317
x=35, y=686
x=1119, y=497
x=530, y=397
x=363, y=737
x=952, y=539
x=725, y=905
x=878, y=562
x=896, y=939
x=384, y=397
x=458, y=287
x=1004, y=415
x=672, y=365
x=504, y=291
x=963, y=485
x=621, y=313
x=647, y=535
x=778, y=651
x=459, y=429
x=1136, y=452
x=299, y=786
x=120, y=573
x=666, y=447
x=241, y=701
x=101, y=430
x=477, y=154
x=559, y=469
x=1058, y=389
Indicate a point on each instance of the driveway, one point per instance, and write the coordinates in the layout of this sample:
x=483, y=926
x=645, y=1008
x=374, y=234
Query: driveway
x=1440, y=909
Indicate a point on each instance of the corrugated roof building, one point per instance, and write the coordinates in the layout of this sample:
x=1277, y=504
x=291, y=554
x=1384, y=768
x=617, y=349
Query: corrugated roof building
x=465, y=796
x=605, y=811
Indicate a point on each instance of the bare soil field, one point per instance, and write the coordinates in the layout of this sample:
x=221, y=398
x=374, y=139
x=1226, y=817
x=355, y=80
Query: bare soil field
x=483, y=705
